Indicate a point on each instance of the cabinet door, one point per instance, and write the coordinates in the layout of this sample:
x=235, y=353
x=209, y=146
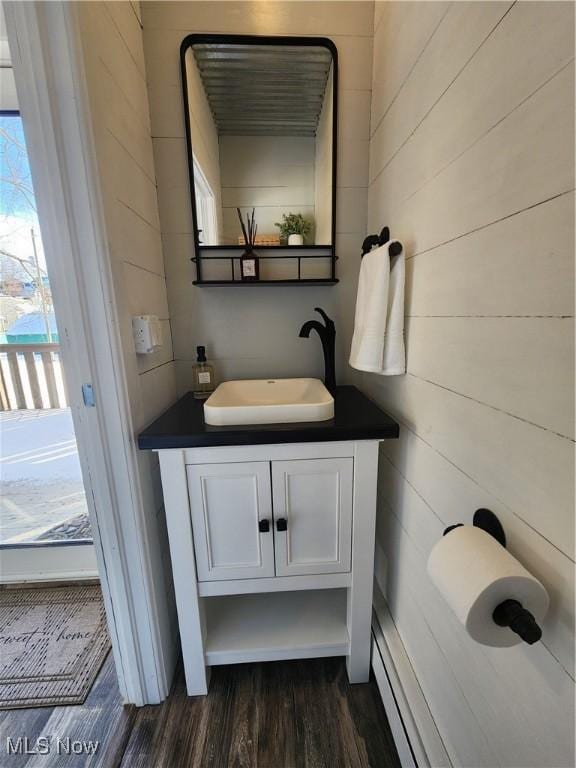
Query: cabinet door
x=312, y=502
x=230, y=504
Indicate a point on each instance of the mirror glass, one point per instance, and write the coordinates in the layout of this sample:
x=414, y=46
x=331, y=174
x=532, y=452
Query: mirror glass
x=261, y=136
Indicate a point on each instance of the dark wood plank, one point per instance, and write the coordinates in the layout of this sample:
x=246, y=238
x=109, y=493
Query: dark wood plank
x=220, y=705
x=167, y=735
x=101, y=718
x=148, y=726
x=326, y=738
x=243, y=750
x=277, y=716
x=371, y=726
x=315, y=746
x=296, y=714
x=15, y=723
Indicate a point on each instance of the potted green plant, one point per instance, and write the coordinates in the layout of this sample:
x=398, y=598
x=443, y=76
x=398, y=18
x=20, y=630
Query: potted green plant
x=293, y=228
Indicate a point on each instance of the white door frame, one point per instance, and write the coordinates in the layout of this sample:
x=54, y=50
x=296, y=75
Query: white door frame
x=205, y=205
x=47, y=561
x=50, y=79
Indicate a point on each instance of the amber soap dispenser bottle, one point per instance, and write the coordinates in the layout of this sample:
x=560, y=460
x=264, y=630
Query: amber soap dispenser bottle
x=202, y=375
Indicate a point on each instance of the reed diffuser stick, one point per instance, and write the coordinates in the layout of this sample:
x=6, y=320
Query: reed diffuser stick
x=249, y=269
x=243, y=227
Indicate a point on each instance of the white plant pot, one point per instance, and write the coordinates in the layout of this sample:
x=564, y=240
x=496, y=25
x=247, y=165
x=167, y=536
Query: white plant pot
x=295, y=239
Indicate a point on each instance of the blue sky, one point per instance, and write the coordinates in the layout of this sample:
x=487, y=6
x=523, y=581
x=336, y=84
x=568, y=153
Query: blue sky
x=14, y=165
x=17, y=204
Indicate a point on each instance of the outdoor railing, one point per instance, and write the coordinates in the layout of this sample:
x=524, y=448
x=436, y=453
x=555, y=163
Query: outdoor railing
x=31, y=377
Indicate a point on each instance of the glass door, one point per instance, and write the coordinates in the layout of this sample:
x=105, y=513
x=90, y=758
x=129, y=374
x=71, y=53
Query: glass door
x=44, y=527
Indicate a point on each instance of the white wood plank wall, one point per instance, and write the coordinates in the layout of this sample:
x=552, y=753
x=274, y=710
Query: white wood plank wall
x=116, y=79
x=472, y=166
x=274, y=174
x=254, y=332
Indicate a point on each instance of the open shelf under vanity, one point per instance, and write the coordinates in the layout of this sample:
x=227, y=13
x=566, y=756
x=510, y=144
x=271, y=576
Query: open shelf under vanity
x=274, y=626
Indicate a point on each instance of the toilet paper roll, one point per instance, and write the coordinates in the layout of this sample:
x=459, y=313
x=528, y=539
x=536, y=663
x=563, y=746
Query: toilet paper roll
x=475, y=573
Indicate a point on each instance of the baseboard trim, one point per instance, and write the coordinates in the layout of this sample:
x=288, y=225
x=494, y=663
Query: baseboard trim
x=415, y=733
x=401, y=740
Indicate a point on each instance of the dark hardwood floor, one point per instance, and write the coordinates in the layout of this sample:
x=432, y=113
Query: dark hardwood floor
x=297, y=713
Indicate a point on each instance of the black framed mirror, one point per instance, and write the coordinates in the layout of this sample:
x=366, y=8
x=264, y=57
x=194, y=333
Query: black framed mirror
x=261, y=126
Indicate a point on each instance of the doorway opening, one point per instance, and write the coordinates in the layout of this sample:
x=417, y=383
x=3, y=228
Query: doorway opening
x=55, y=637
x=45, y=531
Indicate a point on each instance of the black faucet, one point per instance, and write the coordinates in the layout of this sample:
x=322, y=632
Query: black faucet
x=327, y=335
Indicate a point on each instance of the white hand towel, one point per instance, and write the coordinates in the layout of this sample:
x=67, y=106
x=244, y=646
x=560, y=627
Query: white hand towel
x=378, y=341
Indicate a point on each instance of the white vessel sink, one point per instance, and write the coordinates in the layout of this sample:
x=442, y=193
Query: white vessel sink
x=268, y=401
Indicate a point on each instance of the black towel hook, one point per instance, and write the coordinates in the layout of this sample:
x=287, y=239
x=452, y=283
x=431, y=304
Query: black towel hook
x=369, y=243
x=394, y=249
x=384, y=235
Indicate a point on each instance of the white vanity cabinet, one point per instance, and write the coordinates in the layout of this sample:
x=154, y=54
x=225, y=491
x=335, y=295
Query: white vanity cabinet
x=280, y=518
x=231, y=510
x=314, y=499
x=272, y=551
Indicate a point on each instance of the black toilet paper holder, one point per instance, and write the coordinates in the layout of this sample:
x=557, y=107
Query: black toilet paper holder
x=508, y=613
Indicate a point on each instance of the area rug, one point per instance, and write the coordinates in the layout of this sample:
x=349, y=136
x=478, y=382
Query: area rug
x=52, y=645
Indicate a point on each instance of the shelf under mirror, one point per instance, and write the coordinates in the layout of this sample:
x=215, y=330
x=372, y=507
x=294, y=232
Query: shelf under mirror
x=278, y=265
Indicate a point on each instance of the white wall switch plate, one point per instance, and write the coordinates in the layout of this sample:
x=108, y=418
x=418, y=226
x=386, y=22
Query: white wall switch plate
x=147, y=333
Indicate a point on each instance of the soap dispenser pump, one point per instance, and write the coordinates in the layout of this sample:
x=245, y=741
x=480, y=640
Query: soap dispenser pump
x=202, y=375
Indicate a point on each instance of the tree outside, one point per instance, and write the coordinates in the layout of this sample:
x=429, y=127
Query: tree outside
x=41, y=490
x=24, y=284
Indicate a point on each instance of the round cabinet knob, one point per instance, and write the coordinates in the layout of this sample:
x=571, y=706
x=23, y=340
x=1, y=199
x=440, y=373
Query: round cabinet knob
x=263, y=526
x=281, y=524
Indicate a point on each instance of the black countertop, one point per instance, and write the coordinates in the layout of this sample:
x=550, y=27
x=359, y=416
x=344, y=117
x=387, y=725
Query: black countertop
x=355, y=418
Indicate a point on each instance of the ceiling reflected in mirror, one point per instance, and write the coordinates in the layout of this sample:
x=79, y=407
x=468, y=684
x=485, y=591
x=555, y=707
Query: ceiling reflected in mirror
x=264, y=90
